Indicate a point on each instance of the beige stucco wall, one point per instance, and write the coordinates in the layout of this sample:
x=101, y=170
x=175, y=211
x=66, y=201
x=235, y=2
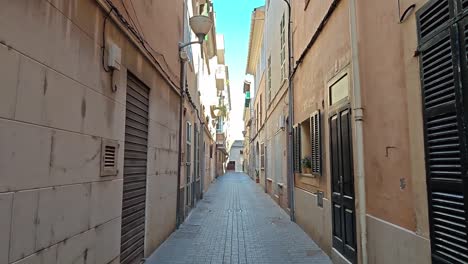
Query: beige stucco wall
x=393, y=147
x=394, y=160
x=276, y=155
x=258, y=135
x=272, y=47
x=329, y=56
x=55, y=108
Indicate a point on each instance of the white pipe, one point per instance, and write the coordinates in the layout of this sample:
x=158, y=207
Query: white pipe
x=358, y=128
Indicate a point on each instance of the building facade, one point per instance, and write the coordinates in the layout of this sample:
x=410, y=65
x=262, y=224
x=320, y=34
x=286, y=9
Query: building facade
x=373, y=153
x=379, y=133
x=89, y=116
x=220, y=110
x=236, y=156
x=268, y=63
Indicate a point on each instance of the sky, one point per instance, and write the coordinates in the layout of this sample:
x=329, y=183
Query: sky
x=233, y=21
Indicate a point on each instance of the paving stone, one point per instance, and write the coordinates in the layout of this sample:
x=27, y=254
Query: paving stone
x=237, y=222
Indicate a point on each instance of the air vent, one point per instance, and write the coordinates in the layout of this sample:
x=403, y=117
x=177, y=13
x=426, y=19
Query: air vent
x=109, y=153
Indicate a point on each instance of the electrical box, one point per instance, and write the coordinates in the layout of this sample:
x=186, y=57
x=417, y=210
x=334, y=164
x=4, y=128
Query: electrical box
x=281, y=122
x=114, y=56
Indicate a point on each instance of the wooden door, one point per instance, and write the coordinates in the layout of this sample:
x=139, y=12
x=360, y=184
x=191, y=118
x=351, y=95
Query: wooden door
x=343, y=209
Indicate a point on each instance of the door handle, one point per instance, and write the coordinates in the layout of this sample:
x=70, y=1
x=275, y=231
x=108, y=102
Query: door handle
x=340, y=180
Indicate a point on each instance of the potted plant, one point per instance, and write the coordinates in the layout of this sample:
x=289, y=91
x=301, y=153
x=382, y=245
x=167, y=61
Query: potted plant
x=257, y=178
x=306, y=165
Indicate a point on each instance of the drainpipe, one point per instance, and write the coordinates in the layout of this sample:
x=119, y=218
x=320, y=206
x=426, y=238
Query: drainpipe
x=291, y=117
x=181, y=106
x=358, y=127
x=179, y=158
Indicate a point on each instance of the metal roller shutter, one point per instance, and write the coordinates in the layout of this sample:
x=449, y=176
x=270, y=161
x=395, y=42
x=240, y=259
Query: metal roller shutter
x=134, y=185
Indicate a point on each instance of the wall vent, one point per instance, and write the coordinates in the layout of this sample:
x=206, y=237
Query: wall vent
x=109, y=155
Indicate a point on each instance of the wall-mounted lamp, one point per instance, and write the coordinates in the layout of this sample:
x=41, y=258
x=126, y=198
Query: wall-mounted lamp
x=200, y=25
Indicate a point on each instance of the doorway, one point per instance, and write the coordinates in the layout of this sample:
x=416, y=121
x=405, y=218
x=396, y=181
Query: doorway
x=343, y=208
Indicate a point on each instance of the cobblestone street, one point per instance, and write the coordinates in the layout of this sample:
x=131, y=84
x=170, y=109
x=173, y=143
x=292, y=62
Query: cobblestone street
x=237, y=222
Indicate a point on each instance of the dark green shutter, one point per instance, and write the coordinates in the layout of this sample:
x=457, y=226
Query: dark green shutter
x=316, y=146
x=442, y=77
x=297, y=149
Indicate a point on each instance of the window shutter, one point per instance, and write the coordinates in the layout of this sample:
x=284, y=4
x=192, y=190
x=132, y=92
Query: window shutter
x=297, y=149
x=316, y=146
x=263, y=156
x=443, y=101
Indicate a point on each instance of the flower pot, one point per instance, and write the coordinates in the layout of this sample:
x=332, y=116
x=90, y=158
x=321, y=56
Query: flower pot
x=307, y=170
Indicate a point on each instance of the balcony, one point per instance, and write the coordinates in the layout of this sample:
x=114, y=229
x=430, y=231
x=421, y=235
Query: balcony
x=220, y=77
x=246, y=86
x=247, y=99
x=220, y=140
x=220, y=48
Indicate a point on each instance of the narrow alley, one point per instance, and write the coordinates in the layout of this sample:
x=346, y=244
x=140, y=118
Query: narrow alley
x=237, y=222
x=217, y=131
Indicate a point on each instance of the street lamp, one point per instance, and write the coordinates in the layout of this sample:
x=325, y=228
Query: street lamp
x=200, y=25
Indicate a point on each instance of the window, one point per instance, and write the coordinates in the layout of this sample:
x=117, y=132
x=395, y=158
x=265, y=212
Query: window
x=306, y=150
x=260, y=109
x=283, y=49
x=203, y=9
x=308, y=146
x=188, y=161
x=339, y=90
x=219, y=124
x=269, y=79
x=262, y=156
x=196, y=158
x=257, y=117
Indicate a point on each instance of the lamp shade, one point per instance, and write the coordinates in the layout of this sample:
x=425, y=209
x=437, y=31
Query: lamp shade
x=201, y=25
